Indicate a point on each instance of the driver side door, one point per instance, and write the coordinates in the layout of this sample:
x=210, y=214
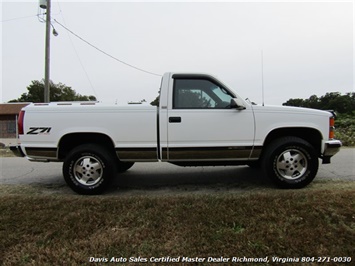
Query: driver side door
x=203, y=127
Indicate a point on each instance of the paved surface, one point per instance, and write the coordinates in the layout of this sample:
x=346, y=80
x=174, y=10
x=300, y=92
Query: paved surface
x=153, y=176
x=8, y=142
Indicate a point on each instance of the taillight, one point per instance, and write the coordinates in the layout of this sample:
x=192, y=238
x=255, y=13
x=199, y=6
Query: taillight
x=21, y=117
x=331, y=128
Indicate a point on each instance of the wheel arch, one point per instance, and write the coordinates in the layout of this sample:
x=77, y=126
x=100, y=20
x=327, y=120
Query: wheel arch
x=69, y=141
x=311, y=135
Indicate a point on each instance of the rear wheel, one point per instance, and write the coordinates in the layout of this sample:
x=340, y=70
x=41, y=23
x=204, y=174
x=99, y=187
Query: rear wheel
x=88, y=169
x=290, y=162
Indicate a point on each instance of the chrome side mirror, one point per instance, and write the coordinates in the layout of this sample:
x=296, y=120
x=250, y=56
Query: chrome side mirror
x=237, y=104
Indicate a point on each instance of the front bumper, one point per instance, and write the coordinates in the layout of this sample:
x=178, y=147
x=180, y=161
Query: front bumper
x=331, y=147
x=16, y=149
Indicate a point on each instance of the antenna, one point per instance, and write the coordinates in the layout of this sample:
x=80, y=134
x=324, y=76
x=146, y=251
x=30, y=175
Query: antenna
x=262, y=77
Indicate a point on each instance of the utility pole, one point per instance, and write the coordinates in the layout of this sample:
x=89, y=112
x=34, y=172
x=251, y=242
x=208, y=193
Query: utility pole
x=262, y=77
x=47, y=53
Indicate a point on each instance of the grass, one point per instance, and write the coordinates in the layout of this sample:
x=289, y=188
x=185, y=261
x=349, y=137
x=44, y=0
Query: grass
x=52, y=229
x=5, y=152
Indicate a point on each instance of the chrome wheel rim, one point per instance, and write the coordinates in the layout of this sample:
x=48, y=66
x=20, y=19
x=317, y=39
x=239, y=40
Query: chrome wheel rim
x=88, y=170
x=292, y=164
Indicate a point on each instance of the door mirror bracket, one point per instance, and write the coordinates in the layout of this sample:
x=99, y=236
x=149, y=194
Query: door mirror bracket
x=237, y=104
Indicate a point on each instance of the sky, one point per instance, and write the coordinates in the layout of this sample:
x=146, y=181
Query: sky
x=293, y=49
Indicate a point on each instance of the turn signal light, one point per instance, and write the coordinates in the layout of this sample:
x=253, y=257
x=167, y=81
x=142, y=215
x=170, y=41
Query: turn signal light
x=20, y=122
x=331, y=128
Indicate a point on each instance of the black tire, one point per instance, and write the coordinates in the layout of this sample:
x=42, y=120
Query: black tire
x=254, y=164
x=88, y=169
x=124, y=166
x=290, y=162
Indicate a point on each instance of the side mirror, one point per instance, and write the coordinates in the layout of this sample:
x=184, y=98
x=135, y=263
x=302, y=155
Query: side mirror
x=237, y=104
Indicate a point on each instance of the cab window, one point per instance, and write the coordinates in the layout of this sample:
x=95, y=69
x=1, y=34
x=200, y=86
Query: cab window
x=199, y=94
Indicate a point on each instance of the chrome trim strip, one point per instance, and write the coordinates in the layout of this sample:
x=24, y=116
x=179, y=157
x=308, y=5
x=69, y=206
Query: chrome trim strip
x=332, y=147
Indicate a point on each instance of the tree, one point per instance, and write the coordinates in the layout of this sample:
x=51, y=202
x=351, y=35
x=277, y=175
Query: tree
x=295, y=102
x=58, y=92
x=344, y=104
x=313, y=102
x=191, y=98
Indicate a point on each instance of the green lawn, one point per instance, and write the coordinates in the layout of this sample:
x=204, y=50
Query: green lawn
x=39, y=228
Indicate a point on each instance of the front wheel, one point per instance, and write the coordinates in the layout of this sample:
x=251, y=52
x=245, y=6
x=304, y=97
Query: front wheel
x=290, y=162
x=124, y=166
x=88, y=169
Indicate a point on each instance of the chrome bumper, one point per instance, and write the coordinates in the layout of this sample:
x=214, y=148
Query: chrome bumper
x=331, y=147
x=17, y=151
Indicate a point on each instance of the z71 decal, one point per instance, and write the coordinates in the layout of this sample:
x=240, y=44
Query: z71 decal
x=39, y=130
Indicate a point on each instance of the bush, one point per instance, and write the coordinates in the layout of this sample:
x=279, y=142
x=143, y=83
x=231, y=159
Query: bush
x=345, y=129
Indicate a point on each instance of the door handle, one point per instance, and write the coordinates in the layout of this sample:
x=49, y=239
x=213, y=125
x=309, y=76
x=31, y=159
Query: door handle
x=175, y=119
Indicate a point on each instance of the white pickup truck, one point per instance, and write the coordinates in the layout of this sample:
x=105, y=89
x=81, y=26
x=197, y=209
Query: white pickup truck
x=199, y=122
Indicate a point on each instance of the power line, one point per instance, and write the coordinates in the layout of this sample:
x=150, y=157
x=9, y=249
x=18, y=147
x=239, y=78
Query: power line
x=11, y=19
x=122, y=62
x=78, y=57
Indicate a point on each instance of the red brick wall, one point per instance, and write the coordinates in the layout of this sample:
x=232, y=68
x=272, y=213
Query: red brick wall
x=7, y=126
